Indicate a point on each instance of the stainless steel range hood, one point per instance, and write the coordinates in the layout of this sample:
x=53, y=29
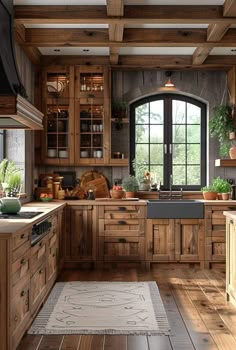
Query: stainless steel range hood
x=15, y=111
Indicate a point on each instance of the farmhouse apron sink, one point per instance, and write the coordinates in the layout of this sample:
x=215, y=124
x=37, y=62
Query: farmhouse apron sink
x=175, y=209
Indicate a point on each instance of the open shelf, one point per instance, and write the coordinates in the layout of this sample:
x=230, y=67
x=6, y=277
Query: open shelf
x=225, y=162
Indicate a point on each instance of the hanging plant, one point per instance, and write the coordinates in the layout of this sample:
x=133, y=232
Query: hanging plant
x=220, y=125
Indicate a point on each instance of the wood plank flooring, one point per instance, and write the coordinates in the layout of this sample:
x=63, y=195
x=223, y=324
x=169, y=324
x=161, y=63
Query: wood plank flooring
x=195, y=303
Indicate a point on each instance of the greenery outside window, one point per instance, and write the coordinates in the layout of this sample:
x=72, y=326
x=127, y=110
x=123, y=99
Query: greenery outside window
x=168, y=132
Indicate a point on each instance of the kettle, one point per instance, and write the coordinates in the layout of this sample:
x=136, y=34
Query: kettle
x=9, y=205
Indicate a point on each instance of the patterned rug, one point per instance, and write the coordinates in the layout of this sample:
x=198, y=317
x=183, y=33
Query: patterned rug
x=102, y=308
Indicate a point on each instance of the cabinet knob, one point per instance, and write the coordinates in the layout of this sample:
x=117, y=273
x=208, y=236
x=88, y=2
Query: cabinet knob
x=122, y=222
x=231, y=221
x=40, y=272
x=22, y=236
x=22, y=293
x=122, y=208
x=40, y=244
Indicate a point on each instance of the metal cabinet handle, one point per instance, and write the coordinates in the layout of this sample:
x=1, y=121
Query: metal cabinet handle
x=22, y=293
x=231, y=221
x=122, y=240
x=40, y=244
x=232, y=208
x=122, y=208
x=22, y=236
x=122, y=222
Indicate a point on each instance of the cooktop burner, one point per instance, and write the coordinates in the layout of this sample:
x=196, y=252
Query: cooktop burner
x=21, y=215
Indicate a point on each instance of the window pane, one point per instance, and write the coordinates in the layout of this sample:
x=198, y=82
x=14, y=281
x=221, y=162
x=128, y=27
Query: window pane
x=193, y=133
x=193, y=114
x=157, y=172
x=193, y=175
x=142, y=133
x=178, y=112
x=156, y=154
x=179, y=173
x=142, y=153
x=179, y=156
x=156, y=112
x=178, y=133
x=156, y=133
x=142, y=114
x=193, y=154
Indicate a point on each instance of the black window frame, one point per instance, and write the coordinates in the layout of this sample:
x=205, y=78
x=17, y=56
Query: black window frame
x=2, y=144
x=168, y=98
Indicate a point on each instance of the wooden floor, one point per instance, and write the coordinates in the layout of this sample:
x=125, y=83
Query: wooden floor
x=194, y=299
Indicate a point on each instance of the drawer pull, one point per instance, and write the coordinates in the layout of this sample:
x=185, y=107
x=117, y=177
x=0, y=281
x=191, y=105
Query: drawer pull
x=122, y=222
x=232, y=208
x=22, y=236
x=122, y=208
x=40, y=272
x=22, y=261
x=231, y=221
x=22, y=293
x=122, y=240
x=40, y=244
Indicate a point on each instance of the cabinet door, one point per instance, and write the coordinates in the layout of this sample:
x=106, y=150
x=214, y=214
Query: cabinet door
x=160, y=240
x=189, y=239
x=38, y=285
x=52, y=263
x=81, y=234
x=58, y=104
x=231, y=259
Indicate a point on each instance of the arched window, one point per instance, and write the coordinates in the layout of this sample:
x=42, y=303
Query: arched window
x=168, y=133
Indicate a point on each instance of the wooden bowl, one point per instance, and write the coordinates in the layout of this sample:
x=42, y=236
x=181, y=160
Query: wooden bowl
x=117, y=194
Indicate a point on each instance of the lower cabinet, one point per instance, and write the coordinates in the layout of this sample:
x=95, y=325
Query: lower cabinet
x=174, y=240
x=231, y=260
x=38, y=284
x=80, y=235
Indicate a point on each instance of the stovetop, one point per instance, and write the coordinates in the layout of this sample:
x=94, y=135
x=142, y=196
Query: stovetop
x=21, y=215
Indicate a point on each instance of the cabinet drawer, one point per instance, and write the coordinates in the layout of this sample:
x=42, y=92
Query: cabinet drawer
x=127, y=227
x=121, y=211
x=52, y=240
x=38, y=284
x=21, y=243
x=20, y=268
x=38, y=255
x=121, y=249
x=54, y=222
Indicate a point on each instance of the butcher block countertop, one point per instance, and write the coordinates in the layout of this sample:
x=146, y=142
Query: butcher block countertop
x=11, y=226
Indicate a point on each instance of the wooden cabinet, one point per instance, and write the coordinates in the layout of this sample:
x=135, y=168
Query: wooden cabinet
x=215, y=235
x=231, y=260
x=80, y=234
x=180, y=240
x=121, y=233
x=26, y=275
x=58, y=108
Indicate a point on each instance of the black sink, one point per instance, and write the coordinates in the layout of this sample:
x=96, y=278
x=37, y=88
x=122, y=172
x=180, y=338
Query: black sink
x=175, y=209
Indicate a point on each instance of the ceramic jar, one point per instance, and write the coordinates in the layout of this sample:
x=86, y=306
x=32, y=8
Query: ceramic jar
x=10, y=205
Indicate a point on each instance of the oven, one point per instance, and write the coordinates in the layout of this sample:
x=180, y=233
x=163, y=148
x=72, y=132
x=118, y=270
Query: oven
x=40, y=229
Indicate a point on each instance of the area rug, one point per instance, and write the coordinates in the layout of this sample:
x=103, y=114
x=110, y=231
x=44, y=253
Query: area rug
x=102, y=308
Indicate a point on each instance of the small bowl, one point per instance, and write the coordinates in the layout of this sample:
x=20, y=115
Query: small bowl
x=117, y=194
x=46, y=199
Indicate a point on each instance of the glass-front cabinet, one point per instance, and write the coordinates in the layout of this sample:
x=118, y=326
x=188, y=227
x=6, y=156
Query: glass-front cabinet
x=58, y=97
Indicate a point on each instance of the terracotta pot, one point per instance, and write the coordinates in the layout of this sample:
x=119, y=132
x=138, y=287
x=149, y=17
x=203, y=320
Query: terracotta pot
x=129, y=194
x=232, y=152
x=225, y=196
x=209, y=195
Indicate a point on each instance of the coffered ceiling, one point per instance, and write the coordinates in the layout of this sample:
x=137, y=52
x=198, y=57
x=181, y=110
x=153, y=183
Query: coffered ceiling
x=129, y=33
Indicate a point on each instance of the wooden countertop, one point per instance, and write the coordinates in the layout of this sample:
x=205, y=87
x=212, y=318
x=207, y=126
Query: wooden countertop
x=11, y=226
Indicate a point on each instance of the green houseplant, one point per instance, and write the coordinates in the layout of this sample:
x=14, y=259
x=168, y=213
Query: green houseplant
x=220, y=125
x=130, y=185
x=222, y=187
x=209, y=192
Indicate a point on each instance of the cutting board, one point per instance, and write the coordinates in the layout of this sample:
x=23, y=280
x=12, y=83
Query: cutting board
x=97, y=182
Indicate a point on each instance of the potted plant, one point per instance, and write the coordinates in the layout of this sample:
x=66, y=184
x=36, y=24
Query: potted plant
x=209, y=192
x=220, y=125
x=222, y=187
x=10, y=178
x=142, y=174
x=130, y=185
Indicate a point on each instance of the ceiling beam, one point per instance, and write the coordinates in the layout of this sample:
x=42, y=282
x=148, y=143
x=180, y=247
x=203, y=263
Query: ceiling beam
x=31, y=52
x=115, y=8
x=114, y=55
x=132, y=37
x=200, y=55
x=216, y=31
x=229, y=8
x=132, y=14
x=145, y=61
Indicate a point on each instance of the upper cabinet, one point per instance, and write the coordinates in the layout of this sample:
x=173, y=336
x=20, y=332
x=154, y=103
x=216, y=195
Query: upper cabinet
x=78, y=126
